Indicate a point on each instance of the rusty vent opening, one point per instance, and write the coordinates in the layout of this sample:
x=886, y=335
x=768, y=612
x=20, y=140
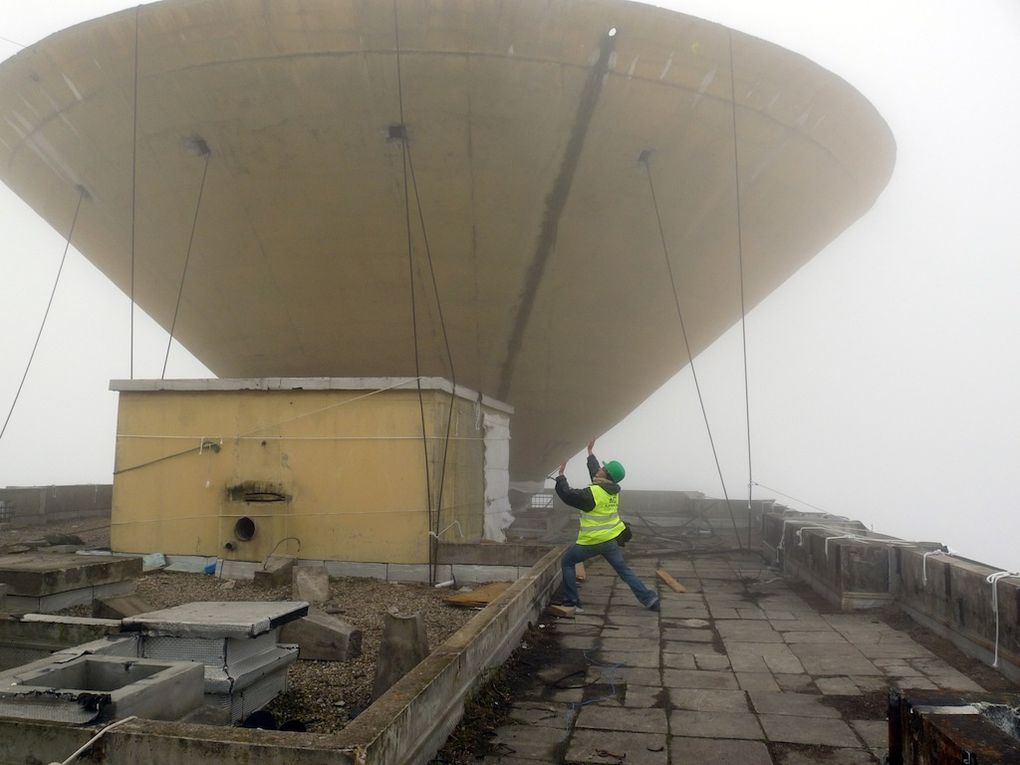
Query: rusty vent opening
x=257, y=491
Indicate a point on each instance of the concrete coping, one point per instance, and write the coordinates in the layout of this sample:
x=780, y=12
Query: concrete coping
x=212, y=619
x=310, y=383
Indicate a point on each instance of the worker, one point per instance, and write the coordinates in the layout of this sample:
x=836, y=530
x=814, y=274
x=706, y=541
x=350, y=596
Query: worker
x=601, y=531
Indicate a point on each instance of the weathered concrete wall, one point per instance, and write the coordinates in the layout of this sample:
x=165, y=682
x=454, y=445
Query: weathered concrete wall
x=950, y=595
x=406, y=725
x=330, y=469
x=38, y=505
x=848, y=572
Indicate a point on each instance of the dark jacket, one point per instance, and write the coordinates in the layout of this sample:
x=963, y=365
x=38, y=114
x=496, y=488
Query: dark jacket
x=583, y=499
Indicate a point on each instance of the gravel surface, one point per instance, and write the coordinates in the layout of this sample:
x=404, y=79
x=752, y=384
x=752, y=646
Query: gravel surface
x=324, y=695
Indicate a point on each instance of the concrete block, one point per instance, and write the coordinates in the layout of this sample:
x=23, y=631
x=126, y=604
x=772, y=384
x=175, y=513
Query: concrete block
x=277, y=572
x=119, y=606
x=38, y=575
x=216, y=619
x=98, y=688
x=404, y=645
x=323, y=637
x=310, y=583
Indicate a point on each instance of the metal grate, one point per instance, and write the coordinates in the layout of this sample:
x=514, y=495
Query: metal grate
x=541, y=501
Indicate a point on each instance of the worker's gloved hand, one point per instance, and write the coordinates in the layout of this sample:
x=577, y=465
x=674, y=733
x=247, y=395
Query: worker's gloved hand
x=563, y=466
x=591, y=445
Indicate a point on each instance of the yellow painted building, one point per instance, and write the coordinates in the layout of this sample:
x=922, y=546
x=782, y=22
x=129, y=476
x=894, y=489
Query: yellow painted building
x=324, y=468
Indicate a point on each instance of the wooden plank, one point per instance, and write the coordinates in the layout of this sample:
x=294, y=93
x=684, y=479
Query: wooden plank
x=564, y=612
x=669, y=581
x=480, y=597
x=580, y=572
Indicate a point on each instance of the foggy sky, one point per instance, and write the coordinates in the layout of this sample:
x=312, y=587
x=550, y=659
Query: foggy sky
x=883, y=374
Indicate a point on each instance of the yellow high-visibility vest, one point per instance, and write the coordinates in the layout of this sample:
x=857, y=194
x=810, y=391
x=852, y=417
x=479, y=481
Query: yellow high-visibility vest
x=603, y=522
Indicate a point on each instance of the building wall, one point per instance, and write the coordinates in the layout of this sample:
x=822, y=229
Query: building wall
x=344, y=473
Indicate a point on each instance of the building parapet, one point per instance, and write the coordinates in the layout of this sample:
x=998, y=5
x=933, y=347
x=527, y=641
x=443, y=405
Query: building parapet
x=851, y=567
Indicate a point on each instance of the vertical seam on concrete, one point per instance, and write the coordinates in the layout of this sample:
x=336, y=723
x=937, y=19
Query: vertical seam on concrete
x=555, y=203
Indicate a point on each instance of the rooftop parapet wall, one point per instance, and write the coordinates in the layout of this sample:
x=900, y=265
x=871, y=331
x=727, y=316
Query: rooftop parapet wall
x=39, y=505
x=953, y=597
x=853, y=568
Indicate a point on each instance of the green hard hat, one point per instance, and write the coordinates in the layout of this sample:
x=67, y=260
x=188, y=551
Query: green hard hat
x=614, y=470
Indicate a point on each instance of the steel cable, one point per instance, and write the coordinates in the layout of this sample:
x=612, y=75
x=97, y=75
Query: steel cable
x=46, y=313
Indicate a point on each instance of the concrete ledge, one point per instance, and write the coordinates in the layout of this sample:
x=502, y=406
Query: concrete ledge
x=406, y=725
x=952, y=597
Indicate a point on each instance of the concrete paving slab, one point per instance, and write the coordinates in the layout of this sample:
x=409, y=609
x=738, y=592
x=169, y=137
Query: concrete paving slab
x=649, y=643
x=529, y=742
x=828, y=755
x=869, y=684
x=833, y=665
x=629, y=658
x=950, y=679
x=583, y=642
x=681, y=678
x=799, y=704
x=751, y=613
x=745, y=631
x=808, y=730
x=813, y=636
x=836, y=686
x=700, y=700
x=546, y=715
x=801, y=624
x=686, y=635
x=710, y=661
x=217, y=619
x=642, y=620
x=756, y=681
x=640, y=720
x=624, y=631
x=673, y=611
x=729, y=725
x=698, y=751
x=599, y=747
x=874, y=733
x=780, y=663
x=624, y=675
x=681, y=646
x=544, y=693
x=794, y=683
x=499, y=759
x=723, y=612
x=679, y=661
x=774, y=615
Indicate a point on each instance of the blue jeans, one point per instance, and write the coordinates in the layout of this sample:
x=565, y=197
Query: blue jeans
x=612, y=553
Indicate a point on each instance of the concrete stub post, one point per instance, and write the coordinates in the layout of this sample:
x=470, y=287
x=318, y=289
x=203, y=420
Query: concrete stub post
x=310, y=583
x=404, y=645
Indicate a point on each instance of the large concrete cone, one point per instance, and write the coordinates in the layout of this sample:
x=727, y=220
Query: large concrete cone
x=404, y=644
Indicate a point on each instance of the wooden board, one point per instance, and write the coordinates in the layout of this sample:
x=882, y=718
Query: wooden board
x=480, y=597
x=669, y=581
x=564, y=612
